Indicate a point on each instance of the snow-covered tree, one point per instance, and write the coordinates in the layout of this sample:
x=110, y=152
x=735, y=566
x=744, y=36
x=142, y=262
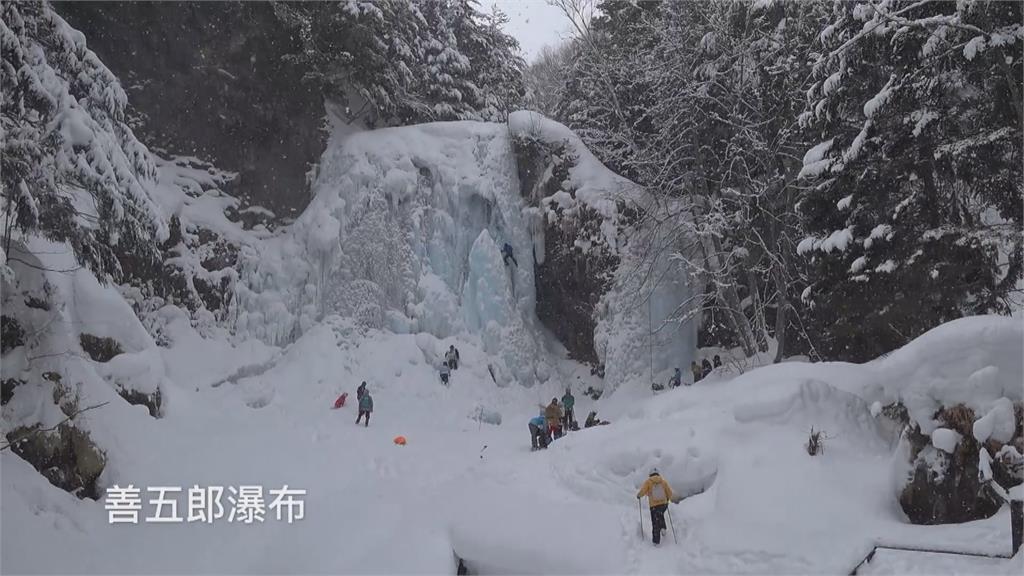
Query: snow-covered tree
x=72, y=170
x=703, y=112
x=393, y=62
x=544, y=80
x=495, y=64
x=915, y=187
x=361, y=53
x=446, y=82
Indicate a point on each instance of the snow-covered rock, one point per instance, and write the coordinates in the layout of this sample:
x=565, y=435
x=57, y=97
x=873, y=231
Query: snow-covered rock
x=945, y=439
x=999, y=424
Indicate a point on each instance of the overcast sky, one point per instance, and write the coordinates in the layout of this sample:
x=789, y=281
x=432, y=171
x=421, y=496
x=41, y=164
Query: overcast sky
x=534, y=23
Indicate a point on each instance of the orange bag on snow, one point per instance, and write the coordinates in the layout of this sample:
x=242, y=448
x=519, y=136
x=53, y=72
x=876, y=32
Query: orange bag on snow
x=400, y=440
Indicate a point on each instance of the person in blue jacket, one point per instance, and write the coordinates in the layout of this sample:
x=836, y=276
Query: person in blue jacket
x=677, y=379
x=506, y=254
x=538, y=433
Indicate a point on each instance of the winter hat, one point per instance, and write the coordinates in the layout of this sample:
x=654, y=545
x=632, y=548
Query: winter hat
x=654, y=472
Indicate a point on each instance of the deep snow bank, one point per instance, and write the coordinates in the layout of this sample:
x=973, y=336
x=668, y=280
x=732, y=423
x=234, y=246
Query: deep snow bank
x=755, y=501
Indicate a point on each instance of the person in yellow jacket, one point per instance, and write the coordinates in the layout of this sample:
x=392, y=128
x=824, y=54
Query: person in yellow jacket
x=659, y=494
x=553, y=414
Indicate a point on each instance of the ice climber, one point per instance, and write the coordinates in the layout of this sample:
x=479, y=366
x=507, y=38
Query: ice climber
x=553, y=417
x=568, y=401
x=538, y=433
x=658, y=493
x=445, y=373
x=452, y=357
x=365, y=407
x=506, y=254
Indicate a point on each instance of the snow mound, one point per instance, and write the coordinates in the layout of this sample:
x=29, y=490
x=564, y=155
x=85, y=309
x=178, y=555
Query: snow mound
x=815, y=404
x=945, y=439
x=974, y=361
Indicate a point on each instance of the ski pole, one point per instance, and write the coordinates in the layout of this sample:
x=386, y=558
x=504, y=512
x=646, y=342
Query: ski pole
x=640, y=507
x=670, y=523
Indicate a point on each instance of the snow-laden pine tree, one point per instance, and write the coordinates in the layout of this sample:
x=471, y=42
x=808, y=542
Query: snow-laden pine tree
x=914, y=190
x=494, y=61
x=364, y=54
x=447, y=79
x=395, y=62
x=72, y=171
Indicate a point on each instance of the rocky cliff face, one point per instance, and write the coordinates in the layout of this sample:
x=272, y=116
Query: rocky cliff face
x=210, y=80
x=570, y=282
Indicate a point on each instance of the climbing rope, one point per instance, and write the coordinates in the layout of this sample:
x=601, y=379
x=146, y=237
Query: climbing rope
x=650, y=333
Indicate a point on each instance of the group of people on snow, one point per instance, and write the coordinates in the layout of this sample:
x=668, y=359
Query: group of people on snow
x=555, y=419
x=700, y=371
x=451, y=362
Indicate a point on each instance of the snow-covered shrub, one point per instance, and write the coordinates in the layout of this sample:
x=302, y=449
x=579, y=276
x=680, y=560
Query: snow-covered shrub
x=100, y=349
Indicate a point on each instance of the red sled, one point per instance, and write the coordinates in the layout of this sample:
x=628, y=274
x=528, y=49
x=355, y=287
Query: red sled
x=340, y=401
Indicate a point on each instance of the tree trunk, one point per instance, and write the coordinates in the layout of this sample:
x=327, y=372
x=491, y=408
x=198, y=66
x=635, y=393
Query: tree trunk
x=760, y=324
x=780, y=314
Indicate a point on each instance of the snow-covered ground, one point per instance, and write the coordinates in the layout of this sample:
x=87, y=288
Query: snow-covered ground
x=398, y=257
x=756, y=502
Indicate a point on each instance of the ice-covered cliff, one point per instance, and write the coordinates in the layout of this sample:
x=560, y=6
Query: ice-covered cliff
x=406, y=232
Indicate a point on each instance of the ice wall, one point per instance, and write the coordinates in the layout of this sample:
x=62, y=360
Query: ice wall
x=405, y=233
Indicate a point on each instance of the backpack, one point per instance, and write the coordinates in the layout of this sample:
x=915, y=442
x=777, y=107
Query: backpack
x=658, y=491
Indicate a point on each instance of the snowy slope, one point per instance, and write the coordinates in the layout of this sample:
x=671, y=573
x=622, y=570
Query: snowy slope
x=757, y=503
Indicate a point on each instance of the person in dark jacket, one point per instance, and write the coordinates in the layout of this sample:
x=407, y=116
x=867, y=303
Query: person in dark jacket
x=717, y=361
x=445, y=373
x=452, y=357
x=705, y=368
x=365, y=407
x=593, y=420
x=506, y=254
x=361, y=390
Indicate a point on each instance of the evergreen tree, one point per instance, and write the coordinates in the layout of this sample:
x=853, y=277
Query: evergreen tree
x=360, y=53
x=72, y=171
x=494, y=61
x=394, y=62
x=446, y=82
x=914, y=204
